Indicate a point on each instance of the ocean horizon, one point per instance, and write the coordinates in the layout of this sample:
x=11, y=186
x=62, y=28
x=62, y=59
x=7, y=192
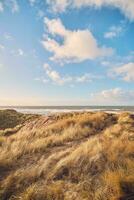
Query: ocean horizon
x=46, y=110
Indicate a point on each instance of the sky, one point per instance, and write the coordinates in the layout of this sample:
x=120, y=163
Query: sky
x=66, y=52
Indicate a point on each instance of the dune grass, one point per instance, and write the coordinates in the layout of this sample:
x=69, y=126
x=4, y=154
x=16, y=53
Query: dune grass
x=74, y=156
x=11, y=121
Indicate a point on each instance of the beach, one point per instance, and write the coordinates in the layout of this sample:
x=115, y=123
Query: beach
x=48, y=110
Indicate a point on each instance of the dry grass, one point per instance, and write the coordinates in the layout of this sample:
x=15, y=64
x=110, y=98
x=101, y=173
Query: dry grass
x=10, y=119
x=74, y=156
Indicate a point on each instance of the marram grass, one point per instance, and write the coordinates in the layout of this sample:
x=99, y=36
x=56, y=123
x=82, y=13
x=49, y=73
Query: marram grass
x=75, y=156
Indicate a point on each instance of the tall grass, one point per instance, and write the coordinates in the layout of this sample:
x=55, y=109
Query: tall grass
x=74, y=156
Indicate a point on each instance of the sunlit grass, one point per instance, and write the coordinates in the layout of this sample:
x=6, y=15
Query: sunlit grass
x=74, y=156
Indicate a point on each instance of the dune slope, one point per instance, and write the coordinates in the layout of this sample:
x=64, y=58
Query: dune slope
x=75, y=156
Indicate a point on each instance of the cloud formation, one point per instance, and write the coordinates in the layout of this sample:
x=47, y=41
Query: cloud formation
x=32, y=2
x=12, y=4
x=77, y=45
x=125, y=72
x=20, y=52
x=55, y=76
x=1, y=7
x=115, y=96
x=17, y=52
x=113, y=32
x=8, y=36
x=2, y=47
x=125, y=6
x=59, y=5
x=58, y=79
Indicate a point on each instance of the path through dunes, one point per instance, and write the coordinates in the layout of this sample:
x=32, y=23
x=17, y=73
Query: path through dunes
x=74, y=156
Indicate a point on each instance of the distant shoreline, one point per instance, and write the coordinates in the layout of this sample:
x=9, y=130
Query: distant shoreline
x=49, y=110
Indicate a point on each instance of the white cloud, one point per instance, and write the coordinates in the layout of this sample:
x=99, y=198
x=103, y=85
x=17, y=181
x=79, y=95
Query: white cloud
x=15, y=6
x=77, y=45
x=44, y=80
x=17, y=52
x=114, y=31
x=20, y=52
x=1, y=7
x=125, y=72
x=58, y=5
x=32, y=2
x=8, y=36
x=86, y=78
x=115, y=96
x=125, y=6
x=2, y=47
x=12, y=4
x=56, y=78
x=105, y=63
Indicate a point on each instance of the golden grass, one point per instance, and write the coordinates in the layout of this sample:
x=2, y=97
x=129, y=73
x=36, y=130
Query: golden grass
x=74, y=156
x=10, y=119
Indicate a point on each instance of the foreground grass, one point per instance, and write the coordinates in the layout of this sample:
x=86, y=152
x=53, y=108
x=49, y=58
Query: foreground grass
x=76, y=156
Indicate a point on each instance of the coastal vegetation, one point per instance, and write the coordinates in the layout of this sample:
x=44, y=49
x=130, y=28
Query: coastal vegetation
x=70, y=156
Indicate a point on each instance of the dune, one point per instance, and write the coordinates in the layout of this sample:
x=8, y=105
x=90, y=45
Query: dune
x=70, y=156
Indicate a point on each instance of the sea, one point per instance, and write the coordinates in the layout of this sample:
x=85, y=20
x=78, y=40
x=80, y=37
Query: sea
x=48, y=110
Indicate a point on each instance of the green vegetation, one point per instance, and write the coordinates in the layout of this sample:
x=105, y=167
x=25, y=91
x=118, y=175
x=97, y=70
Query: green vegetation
x=75, y=156
x=11, y=121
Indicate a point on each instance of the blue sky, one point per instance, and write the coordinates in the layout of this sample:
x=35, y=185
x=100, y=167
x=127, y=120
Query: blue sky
x=67, y=52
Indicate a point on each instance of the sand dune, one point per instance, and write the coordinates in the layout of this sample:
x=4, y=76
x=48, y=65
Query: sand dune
x=70, y=156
